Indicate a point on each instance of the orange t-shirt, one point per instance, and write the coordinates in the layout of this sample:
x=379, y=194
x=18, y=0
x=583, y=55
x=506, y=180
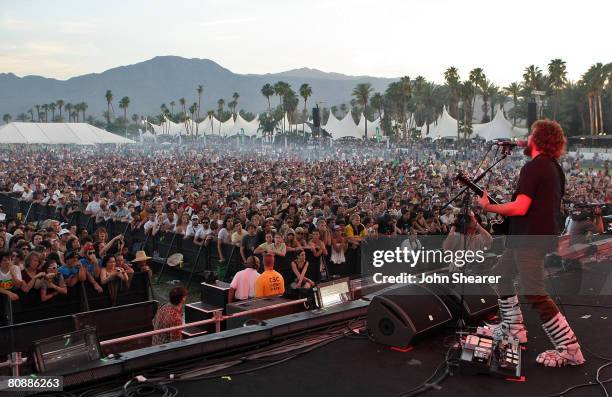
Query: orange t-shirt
x=269, y=283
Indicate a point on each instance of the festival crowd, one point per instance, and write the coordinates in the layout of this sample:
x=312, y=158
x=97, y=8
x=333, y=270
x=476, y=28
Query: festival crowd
x=313, y=205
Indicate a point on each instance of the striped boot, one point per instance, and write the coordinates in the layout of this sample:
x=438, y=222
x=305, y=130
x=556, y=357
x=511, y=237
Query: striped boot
x=567, y=350
x=512, y=323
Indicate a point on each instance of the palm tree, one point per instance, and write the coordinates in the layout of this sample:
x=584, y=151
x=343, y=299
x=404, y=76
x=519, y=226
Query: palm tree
x=172, y=103
x=378, y=102
x=60, y=105
x=533, y=79
x=68, y=108
x=305, y=92
x=123, y=104
x=22, y=117
x=52, y=108
x=83, y=106
x=210, y=114
x=513, y=90
x=109, y=104
x=235, y=96
x=594, y=80
x=232, y=105
x=477, y=78
x=199, y=90
x=193, y=110
x=182, y=102
x=362, y=94
x=451, y=77
x=267, y=90
x=7, y=118
x=76, y=111
x=220, y=104
x=31, y=111
x=485, y=89
x=45, y=109
x=37, y=112
x=467, y=94
x=557, y=78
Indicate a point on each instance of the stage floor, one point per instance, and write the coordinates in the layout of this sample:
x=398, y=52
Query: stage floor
x=359, y=367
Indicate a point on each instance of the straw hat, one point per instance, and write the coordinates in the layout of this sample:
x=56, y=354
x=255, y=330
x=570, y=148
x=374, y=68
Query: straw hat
x=140, y=257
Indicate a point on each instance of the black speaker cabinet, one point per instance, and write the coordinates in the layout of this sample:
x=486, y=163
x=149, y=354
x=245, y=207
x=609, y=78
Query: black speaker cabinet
x=479, y=300
x=396, y=317
x=316, y=117
x=532, y=113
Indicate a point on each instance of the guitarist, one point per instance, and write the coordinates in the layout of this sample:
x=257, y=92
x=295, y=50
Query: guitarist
x=533, y=214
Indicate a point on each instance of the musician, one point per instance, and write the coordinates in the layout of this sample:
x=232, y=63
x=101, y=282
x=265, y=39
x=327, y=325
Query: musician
x=533, y=215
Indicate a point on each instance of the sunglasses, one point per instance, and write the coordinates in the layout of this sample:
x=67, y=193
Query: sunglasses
x=91, y=252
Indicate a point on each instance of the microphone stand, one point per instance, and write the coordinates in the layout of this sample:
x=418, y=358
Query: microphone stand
x=461, y=323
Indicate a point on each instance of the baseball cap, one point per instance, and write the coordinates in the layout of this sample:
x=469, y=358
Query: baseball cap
x=195, y=218
x=63, y=232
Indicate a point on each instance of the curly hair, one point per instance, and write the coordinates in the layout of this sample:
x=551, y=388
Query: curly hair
x=548, y=137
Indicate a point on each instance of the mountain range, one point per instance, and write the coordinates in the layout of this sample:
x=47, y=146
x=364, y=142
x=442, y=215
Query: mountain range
x=163, y=79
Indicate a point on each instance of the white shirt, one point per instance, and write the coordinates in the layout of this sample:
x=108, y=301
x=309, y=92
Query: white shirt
x=93, y=207
x=18, y=188
x=244, y=283
x=191, y=231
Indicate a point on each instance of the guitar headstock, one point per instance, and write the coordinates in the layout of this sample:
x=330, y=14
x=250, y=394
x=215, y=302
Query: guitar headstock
x=461, y=177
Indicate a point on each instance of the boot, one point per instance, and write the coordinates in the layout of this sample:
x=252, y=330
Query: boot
x=512, y=323
x=567, y=350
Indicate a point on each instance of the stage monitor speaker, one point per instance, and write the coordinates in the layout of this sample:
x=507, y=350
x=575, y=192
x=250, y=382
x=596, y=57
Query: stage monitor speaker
x=396, y=317
x=67, y=352
x=532, y=113
x=316, y=117
x=479, y=300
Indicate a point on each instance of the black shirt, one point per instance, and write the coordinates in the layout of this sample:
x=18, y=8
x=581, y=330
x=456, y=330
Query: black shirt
x=542, y=180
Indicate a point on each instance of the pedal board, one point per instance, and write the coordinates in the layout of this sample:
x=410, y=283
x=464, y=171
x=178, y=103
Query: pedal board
x=481, y=353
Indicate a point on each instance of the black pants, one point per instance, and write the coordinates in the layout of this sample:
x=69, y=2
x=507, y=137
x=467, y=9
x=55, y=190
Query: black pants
x=528, y=263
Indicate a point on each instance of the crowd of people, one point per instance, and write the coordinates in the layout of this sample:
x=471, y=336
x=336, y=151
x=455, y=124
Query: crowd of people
x=312, y=206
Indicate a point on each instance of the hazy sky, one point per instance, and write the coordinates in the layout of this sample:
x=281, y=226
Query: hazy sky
x=386, y=38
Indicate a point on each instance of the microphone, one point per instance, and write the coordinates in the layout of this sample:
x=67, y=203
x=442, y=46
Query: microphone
x=510, y=144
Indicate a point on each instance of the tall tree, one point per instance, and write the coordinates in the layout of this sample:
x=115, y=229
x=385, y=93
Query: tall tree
x=7, y=118
x=199, y=90
x=557, y=78
x=267, y=90
x=452, y=80
x=60, y=105
x=514, y=91
x=305, y=92
x=220, y=104
x=31, y=111
x=109, y=104
x=172, y=103
x=124, y=103
x=37, y=112
x=68, y=108
x=83, y=106
x=52, y=108
x=22, y=117
x=45, y=109
x=235, y=97
x=183, y=102
x=378, y=103
x=362, y=94
x=477, y=78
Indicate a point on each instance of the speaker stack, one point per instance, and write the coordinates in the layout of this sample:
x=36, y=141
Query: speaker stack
x=400, y=314
x=532, y=113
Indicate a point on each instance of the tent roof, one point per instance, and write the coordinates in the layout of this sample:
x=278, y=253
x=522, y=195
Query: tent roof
x=445, y=127
x=57, y=133
x=205, y=126
x=249, y=127
x=498, y=128
x=344, y=128
x=372, y=126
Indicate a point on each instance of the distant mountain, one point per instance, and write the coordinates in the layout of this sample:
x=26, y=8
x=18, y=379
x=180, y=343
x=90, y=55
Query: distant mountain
x=163, y=79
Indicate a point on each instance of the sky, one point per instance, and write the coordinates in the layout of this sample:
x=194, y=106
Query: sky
x=383, y=38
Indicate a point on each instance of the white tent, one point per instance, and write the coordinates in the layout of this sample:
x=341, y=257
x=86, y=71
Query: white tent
x=372, y=126
x=445, y=127
x=301, y=128
x=174, y=129
x=241, y=126
x=209, y=126
x=344, y=128
x=157, y=129
x=498, y=128
x=57, y=133
x=332, y=123
x=283, y=124
x=227, y=127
